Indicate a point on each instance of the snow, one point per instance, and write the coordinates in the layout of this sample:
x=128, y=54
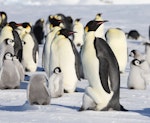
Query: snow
x=14, y=107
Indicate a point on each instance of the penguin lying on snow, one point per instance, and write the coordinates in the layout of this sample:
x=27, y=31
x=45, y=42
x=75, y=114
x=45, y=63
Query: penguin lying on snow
x=37, y=91
x=102, y=71
x=9, y=74
x=56, y=83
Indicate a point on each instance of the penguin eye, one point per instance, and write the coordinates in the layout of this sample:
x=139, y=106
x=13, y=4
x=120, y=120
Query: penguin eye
x=137, y=62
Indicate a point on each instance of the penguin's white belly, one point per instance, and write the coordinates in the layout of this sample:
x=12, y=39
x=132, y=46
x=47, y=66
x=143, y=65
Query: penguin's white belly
x=135, y=79
x=91, y=69
x=28, y=61
x=67, y=64
x=120, y=51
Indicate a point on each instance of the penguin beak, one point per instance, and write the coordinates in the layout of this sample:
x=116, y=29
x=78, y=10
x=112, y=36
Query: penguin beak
x=18, y=24
x=101, y=22
x=72, y=32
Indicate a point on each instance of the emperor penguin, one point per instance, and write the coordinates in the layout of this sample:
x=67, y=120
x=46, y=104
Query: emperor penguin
x=100, y=31
x=117, y=41
x=9, y=32
x=65, y=56
x=37, y=91
x=9, y=75
x=79, y=35
x=30, y=48
x=6, y=46
x=102, y=72
x=136, y=76
x=56, y=83
x=38, y=30
x=3, y=19
x=55, y=26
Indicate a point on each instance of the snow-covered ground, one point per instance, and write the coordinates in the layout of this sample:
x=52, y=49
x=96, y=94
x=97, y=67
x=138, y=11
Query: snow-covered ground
x=14, y=107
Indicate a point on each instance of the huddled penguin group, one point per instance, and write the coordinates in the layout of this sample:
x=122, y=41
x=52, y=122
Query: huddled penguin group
x=71, y=52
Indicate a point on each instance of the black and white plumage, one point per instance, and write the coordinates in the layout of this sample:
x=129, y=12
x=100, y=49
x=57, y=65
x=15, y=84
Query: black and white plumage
x=56, y=83
x=101, y=70
x=37, y=91
x=9, y=75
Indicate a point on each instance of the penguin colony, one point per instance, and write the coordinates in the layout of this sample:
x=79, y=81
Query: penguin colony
x=71, y=52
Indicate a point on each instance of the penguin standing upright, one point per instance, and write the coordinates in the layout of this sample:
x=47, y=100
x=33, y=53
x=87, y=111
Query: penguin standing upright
x=30, y=48
x=102, y=71
x=136, y=75
x=63, y=56
x=3, y=19
x=79, y=34
x=100, y=31
x=9, y=75
x=38, y=30
x=117, y=41
x=37, y=91
x=55, y=27
x=56, y=83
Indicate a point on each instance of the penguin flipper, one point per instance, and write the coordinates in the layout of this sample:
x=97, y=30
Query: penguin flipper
x=103, y=73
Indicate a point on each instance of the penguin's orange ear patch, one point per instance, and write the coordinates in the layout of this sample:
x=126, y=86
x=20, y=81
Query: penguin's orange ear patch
x=86, y=29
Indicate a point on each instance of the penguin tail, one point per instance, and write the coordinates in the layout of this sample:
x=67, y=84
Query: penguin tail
x=122, y=108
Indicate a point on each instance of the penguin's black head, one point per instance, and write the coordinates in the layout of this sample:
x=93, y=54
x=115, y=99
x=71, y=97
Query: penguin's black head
x=137, y=62
x=9, y=41
x=3, y=15
x=93, y=25
x=66, y=32
x=99, y=14
x=55, y=22
x=78, y=19
x=39, y=22
x=57, y=70
x=12, y=24
x=26, y=25
x=8, y=56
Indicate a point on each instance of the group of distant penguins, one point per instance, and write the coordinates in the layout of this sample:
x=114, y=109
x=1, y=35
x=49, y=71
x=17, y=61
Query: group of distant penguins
x=71, y=52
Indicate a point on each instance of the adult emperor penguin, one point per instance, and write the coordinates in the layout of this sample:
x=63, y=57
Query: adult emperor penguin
x=9, y=75
x=79, y=35
x=37, y=91
x=117, y=41
x=56, y=83
x=38, y=30
x=30, y=48
x=55, y=26
x=6, y=46
x=3, y=19
x=136, y=79
x=65, y=56
x=147, y=52
x=100, y=31
x=102, y=71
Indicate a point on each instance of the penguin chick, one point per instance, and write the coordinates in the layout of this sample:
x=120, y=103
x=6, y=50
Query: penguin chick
x=135, y=78
x=37, y=91
x=9, y=75
x=56, y=83
x=136, y=54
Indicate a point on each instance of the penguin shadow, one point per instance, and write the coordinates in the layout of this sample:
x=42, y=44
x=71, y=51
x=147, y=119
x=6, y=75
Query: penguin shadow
x=26, y=106
x=40, y=69
x=144, y=112
x=65, y=106
x=78, y=89
x=23, y=85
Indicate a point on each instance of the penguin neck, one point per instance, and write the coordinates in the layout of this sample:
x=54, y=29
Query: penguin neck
x=89, y=37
